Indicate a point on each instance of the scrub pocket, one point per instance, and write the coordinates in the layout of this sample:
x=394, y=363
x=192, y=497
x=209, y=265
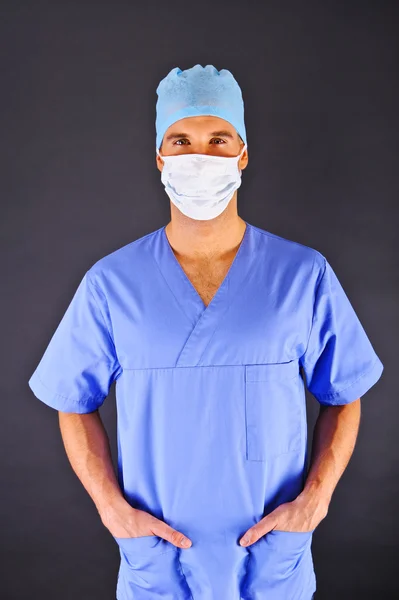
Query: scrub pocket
x=150, y=568
x=273, y=410
x=280, y=566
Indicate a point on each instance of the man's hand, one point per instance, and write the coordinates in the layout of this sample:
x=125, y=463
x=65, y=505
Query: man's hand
x=87, y=446
x=302, y=514
x=128, y=522
x=334, y=439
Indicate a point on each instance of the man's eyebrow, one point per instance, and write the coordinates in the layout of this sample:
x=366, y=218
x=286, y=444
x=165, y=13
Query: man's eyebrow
x=174, y=136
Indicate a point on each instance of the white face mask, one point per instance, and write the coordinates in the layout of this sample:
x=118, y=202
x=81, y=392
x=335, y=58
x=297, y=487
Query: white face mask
x=201, y=185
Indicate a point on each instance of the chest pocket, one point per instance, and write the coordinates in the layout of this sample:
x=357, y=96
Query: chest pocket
x=273, y=410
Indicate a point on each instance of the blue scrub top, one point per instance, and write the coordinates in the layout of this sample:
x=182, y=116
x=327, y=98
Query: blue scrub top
x=211, y=411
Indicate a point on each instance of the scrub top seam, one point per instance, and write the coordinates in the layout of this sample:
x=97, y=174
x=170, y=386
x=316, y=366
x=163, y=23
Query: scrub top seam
x=314, y=304
x=213, y=366
x=110, y=333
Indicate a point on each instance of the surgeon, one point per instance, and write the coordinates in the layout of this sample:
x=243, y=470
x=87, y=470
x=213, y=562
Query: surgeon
x=211, y=328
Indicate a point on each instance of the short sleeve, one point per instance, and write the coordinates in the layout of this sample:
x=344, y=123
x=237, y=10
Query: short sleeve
x=79, y=364
x=340, y=363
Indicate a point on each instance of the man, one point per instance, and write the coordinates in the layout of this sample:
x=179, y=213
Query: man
x=209, y=326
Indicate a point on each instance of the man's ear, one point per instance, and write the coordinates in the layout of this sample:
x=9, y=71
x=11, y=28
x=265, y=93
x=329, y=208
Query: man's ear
x=159, y=162
x=242, y=163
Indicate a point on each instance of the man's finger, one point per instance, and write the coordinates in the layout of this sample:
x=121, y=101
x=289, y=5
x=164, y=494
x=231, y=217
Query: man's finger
x=252, y=535
x=173, y=536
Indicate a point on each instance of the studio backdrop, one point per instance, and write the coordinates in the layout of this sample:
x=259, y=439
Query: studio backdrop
x=79, y=180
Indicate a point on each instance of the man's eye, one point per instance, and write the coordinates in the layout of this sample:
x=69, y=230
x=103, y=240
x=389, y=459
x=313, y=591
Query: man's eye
x=185, y=139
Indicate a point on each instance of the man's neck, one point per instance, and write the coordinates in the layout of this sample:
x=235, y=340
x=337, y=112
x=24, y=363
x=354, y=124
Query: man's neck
x=213, y=239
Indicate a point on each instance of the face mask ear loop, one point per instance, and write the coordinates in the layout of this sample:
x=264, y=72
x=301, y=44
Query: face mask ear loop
x=157, y=151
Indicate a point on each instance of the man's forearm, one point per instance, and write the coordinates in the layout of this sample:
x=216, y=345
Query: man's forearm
x=334, y=439
x=87, y=446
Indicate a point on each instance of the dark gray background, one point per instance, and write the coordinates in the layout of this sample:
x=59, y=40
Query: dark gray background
x=79, y=180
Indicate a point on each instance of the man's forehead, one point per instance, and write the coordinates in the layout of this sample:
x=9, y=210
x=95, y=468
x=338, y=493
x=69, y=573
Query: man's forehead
x=209, y=124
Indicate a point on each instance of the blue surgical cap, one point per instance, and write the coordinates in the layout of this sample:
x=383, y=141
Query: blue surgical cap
x=198, y=91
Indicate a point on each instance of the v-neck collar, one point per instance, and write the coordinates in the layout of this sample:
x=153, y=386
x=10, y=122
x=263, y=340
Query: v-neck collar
x=177, y=266
x=204, y=320
x=182, y=288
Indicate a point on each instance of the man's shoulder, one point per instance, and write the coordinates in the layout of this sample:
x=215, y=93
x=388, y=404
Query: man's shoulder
x=129, y=257
x=290, y=250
